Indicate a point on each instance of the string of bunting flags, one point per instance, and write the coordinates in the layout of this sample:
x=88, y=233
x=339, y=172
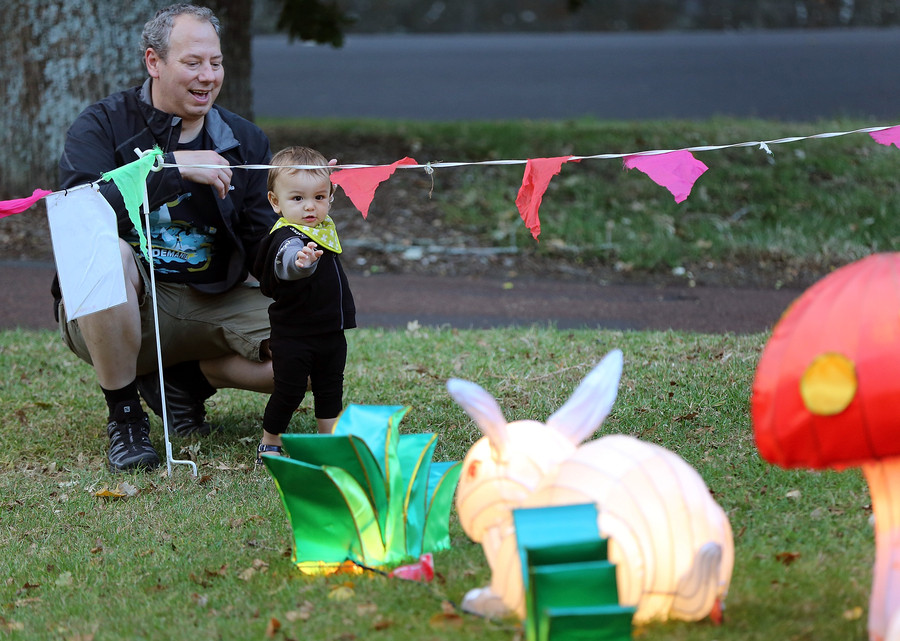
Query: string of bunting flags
x=674, y=169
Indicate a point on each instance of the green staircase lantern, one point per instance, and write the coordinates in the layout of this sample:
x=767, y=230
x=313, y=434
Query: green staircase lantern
x=570, y=585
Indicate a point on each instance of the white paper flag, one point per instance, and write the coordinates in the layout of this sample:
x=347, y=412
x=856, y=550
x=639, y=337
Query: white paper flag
x=86, y=248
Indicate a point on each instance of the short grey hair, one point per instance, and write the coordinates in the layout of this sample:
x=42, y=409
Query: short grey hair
x=158, y=30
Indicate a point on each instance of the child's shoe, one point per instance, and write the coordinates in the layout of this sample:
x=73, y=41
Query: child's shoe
x=268, y=449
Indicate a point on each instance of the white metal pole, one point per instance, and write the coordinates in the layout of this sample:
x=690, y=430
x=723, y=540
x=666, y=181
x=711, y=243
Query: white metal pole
x=159, y=364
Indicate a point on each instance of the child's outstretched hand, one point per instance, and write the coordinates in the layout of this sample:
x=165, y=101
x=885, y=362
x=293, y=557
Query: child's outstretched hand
x=307, y=256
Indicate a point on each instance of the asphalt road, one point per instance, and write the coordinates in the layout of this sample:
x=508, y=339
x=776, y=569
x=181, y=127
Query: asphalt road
x=396, y=300
x=785, y=75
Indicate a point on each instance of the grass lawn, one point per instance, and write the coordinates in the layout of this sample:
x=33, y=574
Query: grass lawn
x=208, y=557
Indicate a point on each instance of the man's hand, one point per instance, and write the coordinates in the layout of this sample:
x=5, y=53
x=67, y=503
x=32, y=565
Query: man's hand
x=219, y=178
x=307, y=256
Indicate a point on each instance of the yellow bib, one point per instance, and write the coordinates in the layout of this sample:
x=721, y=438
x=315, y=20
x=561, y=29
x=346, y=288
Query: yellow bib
x=324, y=234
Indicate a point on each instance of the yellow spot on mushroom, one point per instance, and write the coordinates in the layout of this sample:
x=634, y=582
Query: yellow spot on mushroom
x=828, y=384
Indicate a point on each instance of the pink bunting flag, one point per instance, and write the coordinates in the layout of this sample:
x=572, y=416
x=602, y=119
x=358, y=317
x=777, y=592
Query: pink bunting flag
x=677, y=171
x=17, y=206
x=360, y=184
x=889, y=136
x=538, y=172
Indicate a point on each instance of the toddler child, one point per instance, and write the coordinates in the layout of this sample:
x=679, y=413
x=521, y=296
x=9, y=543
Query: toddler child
x=299, y=268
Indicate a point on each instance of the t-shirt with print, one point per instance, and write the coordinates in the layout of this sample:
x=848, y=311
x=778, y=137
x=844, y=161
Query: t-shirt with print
x=185, y=239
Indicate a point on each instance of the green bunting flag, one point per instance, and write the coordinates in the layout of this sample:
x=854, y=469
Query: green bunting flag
x=131, y=179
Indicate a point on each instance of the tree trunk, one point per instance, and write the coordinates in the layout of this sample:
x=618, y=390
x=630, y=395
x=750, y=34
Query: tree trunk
x=66, y=54
x=62, y=55
x=236, y=17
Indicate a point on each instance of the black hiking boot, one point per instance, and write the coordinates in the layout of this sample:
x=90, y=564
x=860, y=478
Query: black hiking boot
x=187, y=414
x=129, y=439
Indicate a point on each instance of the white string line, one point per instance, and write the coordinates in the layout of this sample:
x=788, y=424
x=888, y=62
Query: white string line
x=761, y=144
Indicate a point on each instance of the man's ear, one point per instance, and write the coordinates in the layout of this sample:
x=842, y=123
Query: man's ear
x=151, y=61
x=273, y=200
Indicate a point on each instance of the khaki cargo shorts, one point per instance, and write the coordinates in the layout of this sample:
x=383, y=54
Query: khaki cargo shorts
x=192, y=325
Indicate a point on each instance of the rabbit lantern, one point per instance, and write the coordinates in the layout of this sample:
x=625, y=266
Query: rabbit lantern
x=671, y=542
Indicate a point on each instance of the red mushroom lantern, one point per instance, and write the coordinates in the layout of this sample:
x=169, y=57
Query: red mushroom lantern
x=826, y=393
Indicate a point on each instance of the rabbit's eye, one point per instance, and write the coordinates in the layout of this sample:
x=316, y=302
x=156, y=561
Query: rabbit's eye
x=472, y=472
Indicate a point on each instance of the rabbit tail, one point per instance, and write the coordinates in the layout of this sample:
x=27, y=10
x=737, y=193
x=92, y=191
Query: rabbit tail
x=697, y=590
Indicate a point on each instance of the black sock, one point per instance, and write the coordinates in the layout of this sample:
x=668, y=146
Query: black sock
x=189, y=377
x=122, y=395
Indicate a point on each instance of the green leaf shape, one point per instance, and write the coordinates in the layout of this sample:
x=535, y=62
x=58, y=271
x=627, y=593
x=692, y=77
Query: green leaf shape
x=347, y=452
x=442, y=481
x=365, y=492
x=332, y=519
x=415, y=452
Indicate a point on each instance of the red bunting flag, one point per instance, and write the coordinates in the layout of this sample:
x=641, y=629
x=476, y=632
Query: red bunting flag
x=677, y=171
x=17, y=206
x=538, y=173
x=889, y=136
x=360, y=184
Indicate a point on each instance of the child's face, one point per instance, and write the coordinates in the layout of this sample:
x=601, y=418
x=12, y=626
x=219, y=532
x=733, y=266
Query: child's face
x=301, y=197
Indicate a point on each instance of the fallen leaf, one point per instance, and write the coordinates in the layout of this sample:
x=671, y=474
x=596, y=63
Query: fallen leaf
x=787, y=557
x=442, y=619
x=366, y=609
x=11, y=626
x=105, y=492
x=157, y=587
x=259, y=565
x=121, y=491
x=129, y=489
x=236, y=523
x=224, y=467
x=447, y=607
x=272, y=628
x=341, y=593
x=247, y=574
x=303, y=613
x=793, y=494
x=195, y=579
x=853, y=614
x=381, y=624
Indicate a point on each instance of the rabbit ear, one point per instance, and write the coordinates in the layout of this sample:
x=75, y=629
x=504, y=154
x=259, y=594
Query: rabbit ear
x=591, y=402
x=482, y=407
